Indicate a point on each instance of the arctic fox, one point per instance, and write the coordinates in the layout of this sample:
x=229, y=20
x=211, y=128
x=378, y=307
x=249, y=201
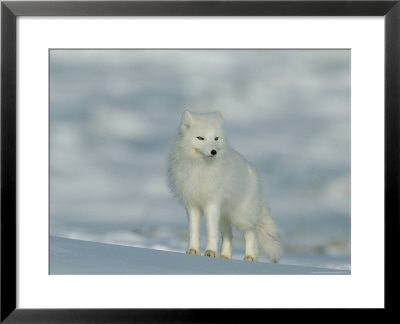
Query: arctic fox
x=211, y=178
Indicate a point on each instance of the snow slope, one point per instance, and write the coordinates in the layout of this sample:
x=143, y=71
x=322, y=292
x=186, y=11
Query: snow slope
x=69, y=256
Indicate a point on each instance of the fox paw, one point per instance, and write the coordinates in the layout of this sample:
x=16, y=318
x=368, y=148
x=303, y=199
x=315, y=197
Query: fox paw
x=249, y=258
x=210, y=253
x=193, y=251
x=225, y=256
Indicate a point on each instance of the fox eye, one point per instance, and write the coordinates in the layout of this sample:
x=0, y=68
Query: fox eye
x=200, y=138
x=216, y=139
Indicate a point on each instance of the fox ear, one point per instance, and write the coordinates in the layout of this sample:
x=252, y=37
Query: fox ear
x=187, y=120
x=219, y=116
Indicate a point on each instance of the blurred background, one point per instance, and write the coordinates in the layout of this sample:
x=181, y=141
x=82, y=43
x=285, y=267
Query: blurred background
x=115, y=113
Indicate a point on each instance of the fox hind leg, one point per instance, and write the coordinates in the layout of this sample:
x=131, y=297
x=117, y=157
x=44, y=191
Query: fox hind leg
x=251, y=250
x=226, y=230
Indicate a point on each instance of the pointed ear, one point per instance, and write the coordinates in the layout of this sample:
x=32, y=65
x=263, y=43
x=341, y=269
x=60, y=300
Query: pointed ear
x=187, y=120
x=219, y=116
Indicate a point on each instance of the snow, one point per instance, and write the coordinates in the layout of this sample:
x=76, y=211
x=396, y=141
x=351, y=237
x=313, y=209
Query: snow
x=69, y=256
x=114, y=114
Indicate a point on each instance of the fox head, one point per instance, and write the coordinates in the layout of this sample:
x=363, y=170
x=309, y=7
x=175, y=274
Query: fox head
x=202, y=135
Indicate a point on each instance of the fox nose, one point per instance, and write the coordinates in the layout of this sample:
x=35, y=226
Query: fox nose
x=213, y=152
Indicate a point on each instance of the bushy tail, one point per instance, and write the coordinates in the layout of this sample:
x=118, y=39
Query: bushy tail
x=268, y=237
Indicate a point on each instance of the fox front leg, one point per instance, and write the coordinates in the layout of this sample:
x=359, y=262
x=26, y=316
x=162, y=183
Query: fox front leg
x=194, y=214
x=212, y=214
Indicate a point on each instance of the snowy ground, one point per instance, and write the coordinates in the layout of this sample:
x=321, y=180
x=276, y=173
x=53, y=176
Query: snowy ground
x=82, y=257
x=114, y=114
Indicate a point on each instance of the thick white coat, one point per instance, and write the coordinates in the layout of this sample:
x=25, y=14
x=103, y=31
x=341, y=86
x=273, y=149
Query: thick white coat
x=211, y=178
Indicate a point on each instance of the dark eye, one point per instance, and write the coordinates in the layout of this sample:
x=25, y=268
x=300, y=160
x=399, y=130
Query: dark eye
x=216, y=139
x=200, y=138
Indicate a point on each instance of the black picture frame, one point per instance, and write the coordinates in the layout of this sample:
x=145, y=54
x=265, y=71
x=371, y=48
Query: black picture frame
x=10, y=10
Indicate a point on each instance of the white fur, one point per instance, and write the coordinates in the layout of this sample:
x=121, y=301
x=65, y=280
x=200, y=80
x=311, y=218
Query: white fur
x=224, y=187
